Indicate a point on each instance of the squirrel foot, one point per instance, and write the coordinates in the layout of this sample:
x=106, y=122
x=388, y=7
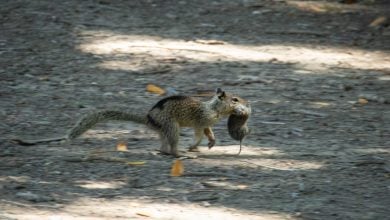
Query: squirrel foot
x=211, y=144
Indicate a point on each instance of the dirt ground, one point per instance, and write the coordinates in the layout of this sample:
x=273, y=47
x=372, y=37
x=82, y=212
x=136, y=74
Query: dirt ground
x=317, y=74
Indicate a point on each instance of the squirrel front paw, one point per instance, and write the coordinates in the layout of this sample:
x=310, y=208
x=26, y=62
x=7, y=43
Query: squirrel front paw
x=211, y=143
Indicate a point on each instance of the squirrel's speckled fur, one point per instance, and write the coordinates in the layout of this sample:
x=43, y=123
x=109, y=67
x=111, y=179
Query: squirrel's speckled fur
x=166, y=117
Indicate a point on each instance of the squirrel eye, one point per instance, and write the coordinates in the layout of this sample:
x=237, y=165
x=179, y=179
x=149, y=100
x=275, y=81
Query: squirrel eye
x=234, y=99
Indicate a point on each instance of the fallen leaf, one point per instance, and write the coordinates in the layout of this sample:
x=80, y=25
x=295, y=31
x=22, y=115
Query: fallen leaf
x=379, y=21
x=136, y=163
x=121, y=146
x=362, y=101
x=154, y=89
x=177, y=168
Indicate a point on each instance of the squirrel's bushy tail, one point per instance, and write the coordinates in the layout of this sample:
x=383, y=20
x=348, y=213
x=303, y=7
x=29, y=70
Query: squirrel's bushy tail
x=93, y=118
x=87, y=122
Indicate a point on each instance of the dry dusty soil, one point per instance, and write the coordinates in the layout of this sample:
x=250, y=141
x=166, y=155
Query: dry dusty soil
x=317, y=74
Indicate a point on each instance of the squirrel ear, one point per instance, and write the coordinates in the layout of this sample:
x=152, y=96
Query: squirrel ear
x=220, y=91
x=221, y=94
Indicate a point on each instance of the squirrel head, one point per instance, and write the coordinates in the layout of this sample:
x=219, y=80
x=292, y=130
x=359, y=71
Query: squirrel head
x=227, y=104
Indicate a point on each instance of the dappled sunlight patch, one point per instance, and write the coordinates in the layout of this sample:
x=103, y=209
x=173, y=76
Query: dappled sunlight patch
x=141, y=207
x=264, y=163
x=256, y=157
x=102, y=134
x=321, y=7
x=377, y=150
x=100, y=184
x=137, y=208
x=320, y=104
x=121, y=65
x=40, y=215
x=284, y=164
x=384, y=78
x=225, y=184
x=316, y=60
x=14, y=178
x=247, y=150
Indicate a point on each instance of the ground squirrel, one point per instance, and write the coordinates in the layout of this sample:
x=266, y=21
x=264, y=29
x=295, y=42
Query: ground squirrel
x=166, y=117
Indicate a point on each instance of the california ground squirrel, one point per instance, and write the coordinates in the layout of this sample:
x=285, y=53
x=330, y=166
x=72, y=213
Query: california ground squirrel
x=166, y=117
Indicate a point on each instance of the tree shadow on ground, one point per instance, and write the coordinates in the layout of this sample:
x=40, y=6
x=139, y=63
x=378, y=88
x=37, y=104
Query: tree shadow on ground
x=316, y=151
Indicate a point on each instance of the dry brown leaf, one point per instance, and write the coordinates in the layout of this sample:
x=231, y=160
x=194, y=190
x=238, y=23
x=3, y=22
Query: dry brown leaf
x=154, y=89
x=379, y=21
x=177, y=168
x=121, y=146
x=362, y=101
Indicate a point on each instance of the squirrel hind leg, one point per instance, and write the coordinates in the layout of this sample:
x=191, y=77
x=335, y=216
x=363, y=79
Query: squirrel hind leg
x=170, y=131
x=164, y=149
